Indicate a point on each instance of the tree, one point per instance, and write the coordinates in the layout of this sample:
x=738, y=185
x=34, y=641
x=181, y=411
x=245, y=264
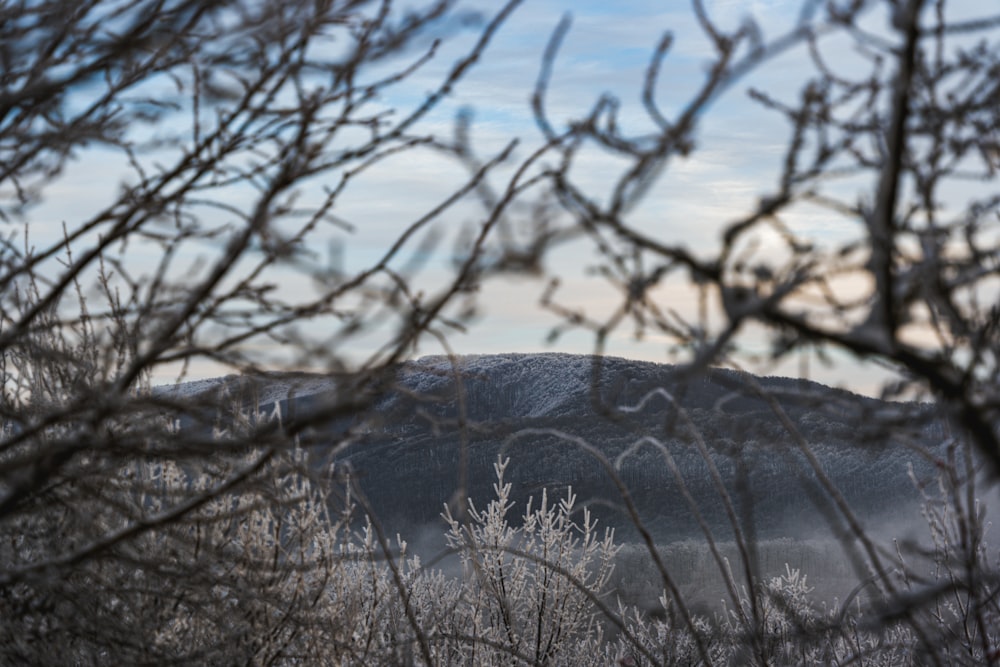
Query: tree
x=218, y=115
x=886, y=147
x=240, y=128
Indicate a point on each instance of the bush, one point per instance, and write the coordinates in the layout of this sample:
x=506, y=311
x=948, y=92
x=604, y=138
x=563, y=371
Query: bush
x=156, y=527
x=272, y=576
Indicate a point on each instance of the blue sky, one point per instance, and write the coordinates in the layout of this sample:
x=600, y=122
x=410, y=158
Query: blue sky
x=606, y=51
x=739, y=147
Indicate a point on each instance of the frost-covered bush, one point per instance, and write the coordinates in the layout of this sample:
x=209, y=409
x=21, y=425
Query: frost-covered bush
x=529, y=590
x=268, y=574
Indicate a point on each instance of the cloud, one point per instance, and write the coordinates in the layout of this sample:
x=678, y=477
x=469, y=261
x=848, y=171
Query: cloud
x=739, y=149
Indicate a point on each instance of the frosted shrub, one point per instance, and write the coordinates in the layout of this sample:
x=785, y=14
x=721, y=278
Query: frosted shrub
x=955, y=579
x=791, y=629
x=529, y=591
x=938, y=604
x=266, y=573
x=663, y=639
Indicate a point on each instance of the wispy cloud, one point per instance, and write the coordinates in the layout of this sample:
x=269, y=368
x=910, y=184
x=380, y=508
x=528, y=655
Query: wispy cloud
x=739, y=145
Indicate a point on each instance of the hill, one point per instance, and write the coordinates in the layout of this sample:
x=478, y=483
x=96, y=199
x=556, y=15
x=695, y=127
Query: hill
x=675, y=439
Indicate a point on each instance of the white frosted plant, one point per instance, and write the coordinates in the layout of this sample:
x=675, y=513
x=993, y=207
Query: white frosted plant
x=266, y=573
x=529, y=591
x=796, y=630
x=956, y=577
x=941, y=605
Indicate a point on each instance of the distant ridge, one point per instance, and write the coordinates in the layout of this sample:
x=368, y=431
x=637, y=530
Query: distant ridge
x=407, y=447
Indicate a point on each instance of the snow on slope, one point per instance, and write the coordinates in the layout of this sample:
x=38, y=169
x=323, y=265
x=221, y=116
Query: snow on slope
x=271, y=388
x=504, y=390
x=525, y=385
x=512, y=385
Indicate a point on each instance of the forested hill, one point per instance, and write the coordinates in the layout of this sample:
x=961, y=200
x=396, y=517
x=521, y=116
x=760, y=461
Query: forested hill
x=655, y=423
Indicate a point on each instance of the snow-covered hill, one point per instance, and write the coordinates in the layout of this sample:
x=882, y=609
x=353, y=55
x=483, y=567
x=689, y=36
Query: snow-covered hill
x=663, y=429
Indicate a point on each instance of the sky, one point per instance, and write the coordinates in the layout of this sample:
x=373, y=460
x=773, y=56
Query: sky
x=739, y=147
x=608, y=47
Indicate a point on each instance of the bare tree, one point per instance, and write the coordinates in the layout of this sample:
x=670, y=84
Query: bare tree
x=129, y=517
x=909, y=129
x=234, y=128
x=888, y=148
